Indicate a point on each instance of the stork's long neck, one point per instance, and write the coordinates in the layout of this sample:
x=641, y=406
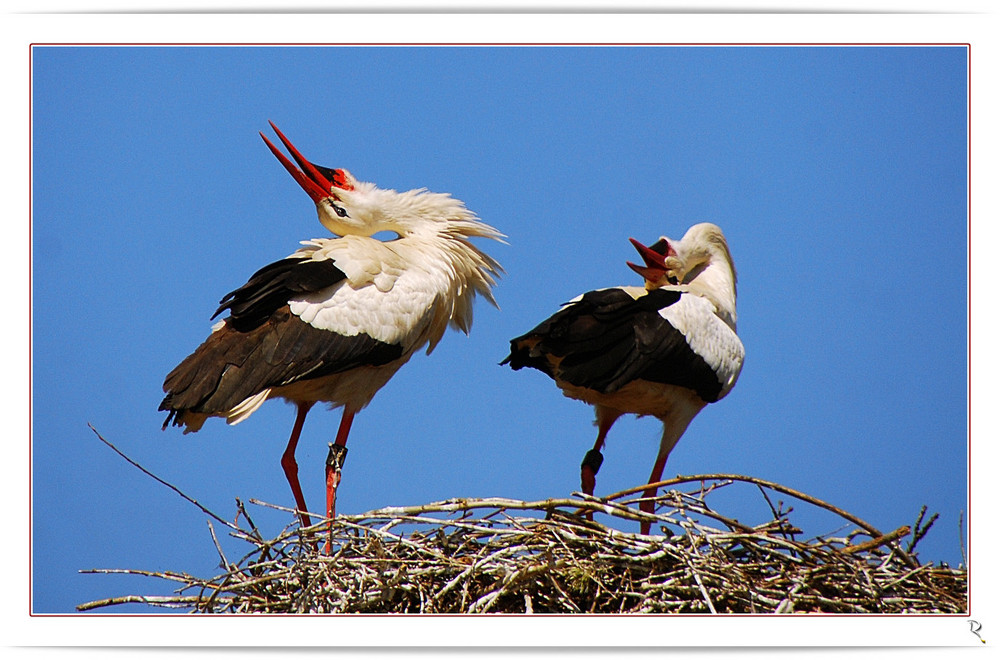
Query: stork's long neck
x=717, y=282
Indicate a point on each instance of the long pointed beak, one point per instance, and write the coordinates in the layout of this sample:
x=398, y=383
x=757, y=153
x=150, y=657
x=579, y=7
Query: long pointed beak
x=652, y=274
x=655, y=261
x=316, y=185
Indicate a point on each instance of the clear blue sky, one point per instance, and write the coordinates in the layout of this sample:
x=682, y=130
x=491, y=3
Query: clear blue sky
x=838, y=175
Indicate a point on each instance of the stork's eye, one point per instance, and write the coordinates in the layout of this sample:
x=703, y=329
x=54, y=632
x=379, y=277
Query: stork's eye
x=339, y=210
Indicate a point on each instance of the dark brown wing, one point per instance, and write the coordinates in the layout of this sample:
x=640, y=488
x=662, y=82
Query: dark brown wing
x=231, y=366
x=263, y=345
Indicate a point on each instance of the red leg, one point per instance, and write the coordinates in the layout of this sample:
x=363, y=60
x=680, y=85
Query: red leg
x=592, y=462
x=334, y=463
x=291, y=468
x=654, y=476
x=345, y=427
x=592, y=459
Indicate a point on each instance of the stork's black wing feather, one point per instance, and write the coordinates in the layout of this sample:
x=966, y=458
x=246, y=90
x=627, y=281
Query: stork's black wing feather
x=273, y=286
x=607, y=339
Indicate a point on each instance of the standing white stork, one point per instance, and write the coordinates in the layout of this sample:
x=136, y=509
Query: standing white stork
x=667, y=349
x=335, y=320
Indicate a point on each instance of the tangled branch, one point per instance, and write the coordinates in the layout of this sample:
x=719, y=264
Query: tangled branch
x=503, y=555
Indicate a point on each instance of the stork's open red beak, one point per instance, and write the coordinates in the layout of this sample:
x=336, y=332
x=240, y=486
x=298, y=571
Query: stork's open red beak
x=655, y=258
x=318, y=182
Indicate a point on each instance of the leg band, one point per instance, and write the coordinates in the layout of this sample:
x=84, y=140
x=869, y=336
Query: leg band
x=593, y=460
x=336, y=456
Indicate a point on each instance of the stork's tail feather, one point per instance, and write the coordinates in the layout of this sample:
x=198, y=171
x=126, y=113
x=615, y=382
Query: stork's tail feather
x=191, y=421
x=172, y=415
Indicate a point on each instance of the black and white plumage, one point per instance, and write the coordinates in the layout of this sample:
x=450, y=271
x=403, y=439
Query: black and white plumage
x=667, y=349
x=336, y=319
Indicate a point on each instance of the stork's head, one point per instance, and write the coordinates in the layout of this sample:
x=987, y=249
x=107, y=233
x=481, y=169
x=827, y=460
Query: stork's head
x=701, y=260
x=347, y=206
x=327, y=187
x=662, y=264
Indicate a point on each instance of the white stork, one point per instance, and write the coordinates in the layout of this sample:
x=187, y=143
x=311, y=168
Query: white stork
x=666, y=349
x=335, y=320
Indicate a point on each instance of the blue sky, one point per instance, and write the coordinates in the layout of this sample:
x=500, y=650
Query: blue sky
x=838, y=175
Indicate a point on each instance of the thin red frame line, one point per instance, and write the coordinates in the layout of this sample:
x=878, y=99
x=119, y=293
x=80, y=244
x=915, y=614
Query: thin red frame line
x=506, y=43
x=968, y=326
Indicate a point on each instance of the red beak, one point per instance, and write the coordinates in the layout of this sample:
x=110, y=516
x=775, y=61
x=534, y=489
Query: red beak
x=318, y=184
x=655, y=267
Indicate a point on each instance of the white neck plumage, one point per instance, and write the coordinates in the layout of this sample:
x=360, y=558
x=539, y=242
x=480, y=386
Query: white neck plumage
x=716, y=281
x=708, y=268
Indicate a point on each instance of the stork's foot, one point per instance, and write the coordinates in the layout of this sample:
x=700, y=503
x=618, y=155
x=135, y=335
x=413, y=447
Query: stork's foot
x=588, y=473
x=334, y=464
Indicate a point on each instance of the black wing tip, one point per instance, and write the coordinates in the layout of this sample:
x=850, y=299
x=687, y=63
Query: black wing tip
x=518, y=356
x=172, y=416
x=224, y=304
x=273, y=286
x=522, y=356
x=175, y=416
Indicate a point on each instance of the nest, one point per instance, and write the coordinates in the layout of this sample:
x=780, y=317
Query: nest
x=508, y=556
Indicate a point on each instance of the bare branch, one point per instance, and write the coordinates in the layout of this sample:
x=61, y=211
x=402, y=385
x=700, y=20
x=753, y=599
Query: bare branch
x=165, y=483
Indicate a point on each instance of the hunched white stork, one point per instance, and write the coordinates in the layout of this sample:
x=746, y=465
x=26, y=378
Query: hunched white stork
x=337, y=318
x=666, y=349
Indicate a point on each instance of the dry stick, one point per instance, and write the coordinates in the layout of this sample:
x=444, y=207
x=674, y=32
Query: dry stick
x=776, y=512
x=704, y=592
x=916, y=528
x=876, y=542
x=148, y=600
x=464, y=504
x=703, y=509
x=920, y=531
x=870, y=529
x=164, y=575
x=902, y=578
x=961, y=538
x=225, y=562
x=753, y=480
x=165, y=483
x=241, y=510
x=314, y=528
x=787, y=604
x=160, y=601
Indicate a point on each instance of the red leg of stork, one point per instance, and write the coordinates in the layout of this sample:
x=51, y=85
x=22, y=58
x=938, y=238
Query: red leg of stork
x=593, y=459
x=291, y=468
x=655, y=475
x=334, y=464
x=673, y=428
